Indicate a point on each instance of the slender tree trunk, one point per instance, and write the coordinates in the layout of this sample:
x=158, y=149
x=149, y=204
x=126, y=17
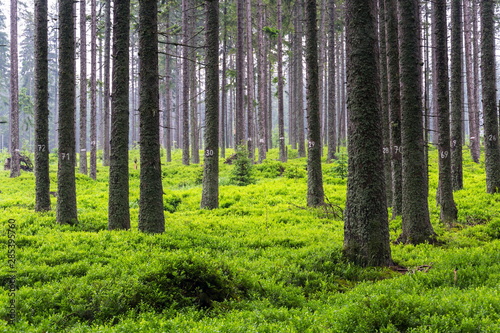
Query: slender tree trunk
x=107, y=95
x=167, y=127
x=300, y=85
x=118, y=208
x=456, y=94
x=384, y=101
x=223, y=97
x=185, y=82
x=195, y=148
x=416, y=222
x=93, y=91
x=394, y=104
x=210, y=193
x=239, y=112
x=151, y=216
x=41, y=108
x=251, y=85
x=66, y=186
x=281, y=116
x=490, y=113
x=83, y=88
x=315, y=192
x=14, y=91
x=448, y=208
x=261, y=83
x=366, y=230
x=332, y=114
x=469, y=34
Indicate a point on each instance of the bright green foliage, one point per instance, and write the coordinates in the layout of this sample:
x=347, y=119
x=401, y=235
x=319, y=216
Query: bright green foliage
x=261, y=262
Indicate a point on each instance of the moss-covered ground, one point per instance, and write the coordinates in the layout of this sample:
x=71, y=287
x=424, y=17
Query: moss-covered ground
x=262, y=262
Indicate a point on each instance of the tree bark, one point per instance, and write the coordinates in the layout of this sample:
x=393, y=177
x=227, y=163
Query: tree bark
x=332, y=114
x=107, y=84
x=394, y=104
x=14, y=92
x=261, y=75
x=315, y=192
x=456, y=94
x=93, y=91
x=118, y=208
x=83, y=88
x=448, y=208
x=300, y=79
x=490, y=113
x=151, y=216
x=210, y=193
x=41, y=108
x=66, y=186
x=366, y=230
x=470, y=68
x=281, y=116
x=193, y=96
x=251, y=85
x=239, y=112
x=415, y=210
x=185, y=82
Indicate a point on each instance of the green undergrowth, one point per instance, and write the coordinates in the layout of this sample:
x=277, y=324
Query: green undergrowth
x=262, y=262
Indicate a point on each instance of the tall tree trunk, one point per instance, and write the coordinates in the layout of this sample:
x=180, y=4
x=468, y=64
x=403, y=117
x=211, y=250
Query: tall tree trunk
x=93, y=91
x=331, y=114
x=118, y=208
x=167, y=127
x=366, y=230
x=151, y=216
x=448, y=208
x=41, y=108
x=261, y=69
x=185, y=81
x=107, y=84
x=223, y=97
x=456, y=94
x=300, y=79
x=394, y=104
x=239, y=112
x=251, y=85
x=93, y=88
x=210, y=193
x=470, y=68
x=490, y=113
x=83, y=88
x=281, y=116
x=416, y=222
x=315, y=192
x=384, y=101
x=195, y=148
x=14, y=92
x=66, y=187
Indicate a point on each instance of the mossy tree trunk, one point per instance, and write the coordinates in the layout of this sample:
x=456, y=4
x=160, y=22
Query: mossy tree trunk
x=456, y=94
x=83, y=88
x=118, y=208
x=315, y=192
x=210, y=194
x=394, y=104
x=185, y=82
x=331, y=113
x=41, y=108
x=151, y=216
x=66, y=187
x=490, y=113
x=15, y=170
x=415, y=209
x=366, y=230
x=93, y=90
x=448, y=207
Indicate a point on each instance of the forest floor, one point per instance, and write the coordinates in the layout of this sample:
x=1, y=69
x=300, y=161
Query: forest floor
x=262, y=262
